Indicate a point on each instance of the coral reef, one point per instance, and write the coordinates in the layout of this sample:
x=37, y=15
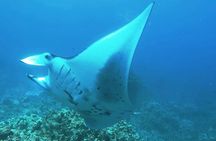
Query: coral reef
x=32, y=115
x=63, y=125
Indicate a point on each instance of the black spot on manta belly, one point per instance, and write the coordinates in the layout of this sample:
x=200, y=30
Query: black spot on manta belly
x=98, y=88
x=107, y=113
x=80, y=92
x=78, y=84
x=95, y=107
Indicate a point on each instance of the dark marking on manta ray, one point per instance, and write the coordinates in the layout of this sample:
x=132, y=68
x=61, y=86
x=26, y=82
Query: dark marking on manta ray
x=85, y=98
x=73, y=78
x=85, y=112
x=77, y=85
x=100, y=109
x=49, y=57
x=95, y=112
x=60, y=71
x=121, y=99
x=67, y=74
x=71, y=99
x=95, y=107
x=107, y=113
x=80, y=92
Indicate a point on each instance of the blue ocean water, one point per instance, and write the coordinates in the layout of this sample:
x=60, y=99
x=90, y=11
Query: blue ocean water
x=175, y=57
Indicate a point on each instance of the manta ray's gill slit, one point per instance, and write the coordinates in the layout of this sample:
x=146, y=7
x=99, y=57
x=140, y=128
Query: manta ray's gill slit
x=71, y=82
x=63, y=73
x=77, y=85
x=73, y=79
x=59, y=73
x=71, y=99
x=66, y=76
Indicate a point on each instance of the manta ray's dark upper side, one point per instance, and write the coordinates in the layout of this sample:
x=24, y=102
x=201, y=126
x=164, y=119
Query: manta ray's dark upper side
x=95, y=83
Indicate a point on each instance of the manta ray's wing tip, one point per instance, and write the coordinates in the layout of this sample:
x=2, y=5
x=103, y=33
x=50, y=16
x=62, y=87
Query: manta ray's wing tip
x=152, y=3
x=146, y=12
x=149, y=8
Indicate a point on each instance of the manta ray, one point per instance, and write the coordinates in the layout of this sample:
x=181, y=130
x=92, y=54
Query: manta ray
x=95, y=82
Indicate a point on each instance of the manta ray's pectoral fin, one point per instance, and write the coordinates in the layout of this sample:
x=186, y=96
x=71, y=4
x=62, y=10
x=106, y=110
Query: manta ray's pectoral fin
x=106, y=63
x=41, y=81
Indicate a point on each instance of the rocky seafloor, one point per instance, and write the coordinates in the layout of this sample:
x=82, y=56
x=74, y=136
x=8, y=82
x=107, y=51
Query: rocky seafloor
x=31, y=115
x=63, y=125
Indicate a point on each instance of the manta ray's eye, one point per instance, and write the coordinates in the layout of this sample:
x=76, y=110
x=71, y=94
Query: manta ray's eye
x=49, y=57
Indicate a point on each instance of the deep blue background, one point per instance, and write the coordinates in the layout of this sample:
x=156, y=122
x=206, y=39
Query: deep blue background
x=175, y=57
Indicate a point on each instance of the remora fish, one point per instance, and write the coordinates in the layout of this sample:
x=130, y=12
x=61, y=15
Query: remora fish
x=95, y=82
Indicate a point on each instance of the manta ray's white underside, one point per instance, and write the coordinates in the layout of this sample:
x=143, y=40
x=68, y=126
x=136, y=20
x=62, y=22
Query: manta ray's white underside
x=95, y=83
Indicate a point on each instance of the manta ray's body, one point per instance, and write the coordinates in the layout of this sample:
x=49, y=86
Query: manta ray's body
x=95, y=83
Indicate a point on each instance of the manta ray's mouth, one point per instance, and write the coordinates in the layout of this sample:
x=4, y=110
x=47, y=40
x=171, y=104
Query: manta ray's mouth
x=32, y=60
x=37, y=60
